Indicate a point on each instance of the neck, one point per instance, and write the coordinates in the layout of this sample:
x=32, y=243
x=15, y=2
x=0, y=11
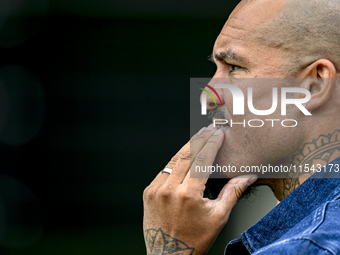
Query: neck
x=312, y=157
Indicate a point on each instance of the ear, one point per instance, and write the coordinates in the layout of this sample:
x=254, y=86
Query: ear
x=320, y=81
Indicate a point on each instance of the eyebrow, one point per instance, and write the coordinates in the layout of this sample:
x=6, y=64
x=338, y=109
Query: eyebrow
x=228, y=56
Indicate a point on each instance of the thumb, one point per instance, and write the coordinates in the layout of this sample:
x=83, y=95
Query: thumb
x=233, y=190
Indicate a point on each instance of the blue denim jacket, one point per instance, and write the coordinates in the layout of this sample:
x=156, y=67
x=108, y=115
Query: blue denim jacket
x=305, y=222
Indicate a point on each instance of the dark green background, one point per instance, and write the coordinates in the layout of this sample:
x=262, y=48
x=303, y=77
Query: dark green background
x=115, y=78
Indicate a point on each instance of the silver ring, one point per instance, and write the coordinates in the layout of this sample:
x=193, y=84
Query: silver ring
x=167, y=170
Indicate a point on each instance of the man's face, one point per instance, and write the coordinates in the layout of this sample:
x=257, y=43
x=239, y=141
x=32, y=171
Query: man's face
x=237, y=55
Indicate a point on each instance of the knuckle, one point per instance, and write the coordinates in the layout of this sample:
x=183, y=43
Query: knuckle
x=164, y=191
x=200, y=137
x=192, y=158
x=184, y=195
x=174, y=158
x=172, y=162
x=202, y=158
x=187, y=196
x=193, y=154
x=185, y=155
x=237, y=191
x=170, y=165
x=212, y=141
x=179, y=156
x=149, y=193
x=145, y=193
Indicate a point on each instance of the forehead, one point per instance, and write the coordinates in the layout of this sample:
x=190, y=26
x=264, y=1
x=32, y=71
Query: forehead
x=245, y=21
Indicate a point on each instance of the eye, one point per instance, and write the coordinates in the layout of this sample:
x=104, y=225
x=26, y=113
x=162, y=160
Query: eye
x=232, y=68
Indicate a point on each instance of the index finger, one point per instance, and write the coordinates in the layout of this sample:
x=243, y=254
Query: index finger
x=204, y=158
x=178, y=155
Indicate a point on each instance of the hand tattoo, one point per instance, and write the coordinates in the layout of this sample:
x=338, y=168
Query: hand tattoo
x=159, y=243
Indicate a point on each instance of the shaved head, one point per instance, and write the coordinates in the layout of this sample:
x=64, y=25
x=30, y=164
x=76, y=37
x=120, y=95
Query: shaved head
x=305, y=31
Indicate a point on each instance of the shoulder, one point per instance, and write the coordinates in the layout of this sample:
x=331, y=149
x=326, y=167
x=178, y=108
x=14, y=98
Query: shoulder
x=318, y=233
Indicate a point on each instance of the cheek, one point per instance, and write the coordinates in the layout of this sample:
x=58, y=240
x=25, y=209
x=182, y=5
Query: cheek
x=240, y=146
x=255, y=146
x=258, y=97
x=270, y=143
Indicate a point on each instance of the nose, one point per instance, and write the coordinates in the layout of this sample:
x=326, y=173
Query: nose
x=214, y=97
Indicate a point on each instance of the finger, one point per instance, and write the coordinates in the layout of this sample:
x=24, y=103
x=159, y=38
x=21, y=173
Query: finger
x=189, y=150
x=180, y=170
x=157, y=178
x=205, y=158
x=187, y=155
x=181, y=153
x=232, y=191
x=162, y=177
x=198, y=141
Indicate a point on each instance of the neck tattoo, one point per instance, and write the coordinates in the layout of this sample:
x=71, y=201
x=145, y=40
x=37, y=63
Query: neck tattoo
x=312, y=158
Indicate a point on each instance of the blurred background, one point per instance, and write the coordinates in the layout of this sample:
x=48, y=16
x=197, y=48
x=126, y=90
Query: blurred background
x=87, y=118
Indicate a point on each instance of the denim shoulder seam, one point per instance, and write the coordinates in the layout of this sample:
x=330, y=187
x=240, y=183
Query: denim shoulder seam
x=295, y=239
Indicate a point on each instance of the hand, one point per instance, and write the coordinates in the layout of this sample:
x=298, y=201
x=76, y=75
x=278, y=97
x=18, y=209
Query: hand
x=177, y=219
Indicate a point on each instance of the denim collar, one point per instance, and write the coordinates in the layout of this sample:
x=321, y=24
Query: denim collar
x=316, y=190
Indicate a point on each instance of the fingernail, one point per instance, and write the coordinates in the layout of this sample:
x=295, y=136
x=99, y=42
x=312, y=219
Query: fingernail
x=218, y=132
x=252, y=180
x=202, y=129
x=210, y=127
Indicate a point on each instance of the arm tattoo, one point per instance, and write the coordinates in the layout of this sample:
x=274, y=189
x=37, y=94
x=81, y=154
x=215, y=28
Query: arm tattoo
x=314, y=155
x=159, y=243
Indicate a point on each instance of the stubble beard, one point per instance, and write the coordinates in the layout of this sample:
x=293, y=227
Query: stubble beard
x=215, y=185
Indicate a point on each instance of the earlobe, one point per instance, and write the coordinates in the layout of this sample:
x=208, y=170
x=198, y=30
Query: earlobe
x=320, y=81
x=320, y=92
